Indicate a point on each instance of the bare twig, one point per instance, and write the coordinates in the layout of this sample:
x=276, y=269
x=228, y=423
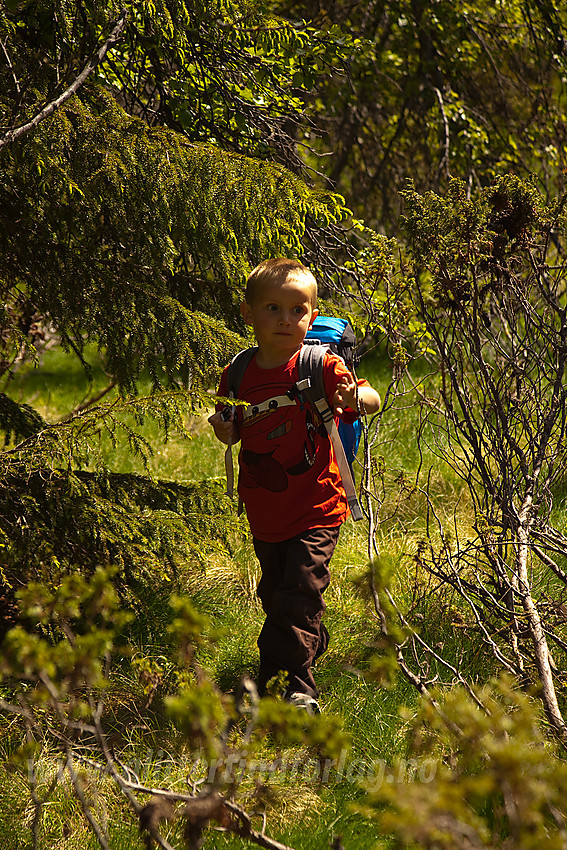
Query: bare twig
x=447, y=142
x=75, y=779
x=88, y=402
x=10, y=66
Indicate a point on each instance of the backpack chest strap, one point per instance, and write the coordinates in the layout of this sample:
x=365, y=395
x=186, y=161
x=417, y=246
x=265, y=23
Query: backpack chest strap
x=321, y=404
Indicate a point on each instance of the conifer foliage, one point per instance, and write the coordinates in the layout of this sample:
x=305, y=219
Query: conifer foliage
x=144, y=162
x=131, y=214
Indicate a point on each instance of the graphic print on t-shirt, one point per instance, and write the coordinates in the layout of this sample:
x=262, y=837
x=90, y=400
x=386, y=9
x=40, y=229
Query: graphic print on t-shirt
x=281, y=428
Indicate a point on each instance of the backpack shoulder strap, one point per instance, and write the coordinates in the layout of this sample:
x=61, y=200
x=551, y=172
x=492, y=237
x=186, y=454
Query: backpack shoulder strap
x=236, y=369
x=312, y=386
x=310, y=369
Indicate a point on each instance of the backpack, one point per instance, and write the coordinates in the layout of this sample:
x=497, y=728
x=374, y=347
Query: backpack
x=311, y=388
x=338, y=335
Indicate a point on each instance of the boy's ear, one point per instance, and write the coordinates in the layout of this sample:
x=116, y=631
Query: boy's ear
x=245, y=312
x=314, y=315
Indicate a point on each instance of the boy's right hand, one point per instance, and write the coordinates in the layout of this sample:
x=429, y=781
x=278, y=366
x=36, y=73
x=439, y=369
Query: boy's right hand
x=224, y=426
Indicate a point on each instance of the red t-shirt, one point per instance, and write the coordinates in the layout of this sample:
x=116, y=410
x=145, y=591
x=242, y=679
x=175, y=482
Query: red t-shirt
x=289, y=481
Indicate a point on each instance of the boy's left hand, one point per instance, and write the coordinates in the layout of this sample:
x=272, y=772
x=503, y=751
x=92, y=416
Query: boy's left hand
x=345, y=395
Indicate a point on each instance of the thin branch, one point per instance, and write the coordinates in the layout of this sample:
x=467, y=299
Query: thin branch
x=88, y=402
x=549, y=562
x=39, y=802
x=10, y=66
x=48, y=110
x=447, y=142
x=193, y=803
x=417, y=681
x=102, y=839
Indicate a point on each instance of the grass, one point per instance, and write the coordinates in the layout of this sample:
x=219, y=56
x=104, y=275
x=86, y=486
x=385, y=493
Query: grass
x=305, y=815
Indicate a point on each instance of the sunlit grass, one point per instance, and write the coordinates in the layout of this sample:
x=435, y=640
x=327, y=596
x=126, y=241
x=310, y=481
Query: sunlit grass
x=223, y=587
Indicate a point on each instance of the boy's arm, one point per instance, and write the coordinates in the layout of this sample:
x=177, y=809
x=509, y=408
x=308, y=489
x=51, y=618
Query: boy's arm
x=346, y=396
x=225, y=427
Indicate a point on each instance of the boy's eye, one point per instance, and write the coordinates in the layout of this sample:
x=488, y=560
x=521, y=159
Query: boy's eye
x=272, y=306
x=298, y=310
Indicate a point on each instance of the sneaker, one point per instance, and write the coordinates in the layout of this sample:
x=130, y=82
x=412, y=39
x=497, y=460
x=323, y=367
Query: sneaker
x=300, y=700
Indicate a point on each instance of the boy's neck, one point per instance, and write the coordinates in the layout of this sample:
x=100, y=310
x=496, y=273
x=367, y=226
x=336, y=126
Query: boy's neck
x=271, y=360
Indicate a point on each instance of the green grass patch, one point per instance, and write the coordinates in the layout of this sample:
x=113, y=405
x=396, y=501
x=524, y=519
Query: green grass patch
x=303, y=811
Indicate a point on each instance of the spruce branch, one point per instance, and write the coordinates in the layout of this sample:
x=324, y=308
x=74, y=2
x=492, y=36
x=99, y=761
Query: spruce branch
x=50, y=108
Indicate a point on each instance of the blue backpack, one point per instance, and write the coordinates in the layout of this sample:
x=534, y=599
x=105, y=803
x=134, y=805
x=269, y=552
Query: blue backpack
x=339, y=336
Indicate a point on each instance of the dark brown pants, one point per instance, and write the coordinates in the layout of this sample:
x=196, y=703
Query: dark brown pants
x=295, y=573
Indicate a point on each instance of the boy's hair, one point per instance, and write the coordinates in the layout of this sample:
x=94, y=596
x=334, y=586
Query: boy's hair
x=279, y=269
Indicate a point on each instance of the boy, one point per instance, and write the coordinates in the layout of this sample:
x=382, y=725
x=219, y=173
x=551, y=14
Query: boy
x=289, y=481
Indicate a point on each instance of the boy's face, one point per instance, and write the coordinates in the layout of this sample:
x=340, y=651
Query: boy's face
x=281, y=313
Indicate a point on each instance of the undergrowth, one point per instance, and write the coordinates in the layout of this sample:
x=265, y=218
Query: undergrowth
x=301, y=810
